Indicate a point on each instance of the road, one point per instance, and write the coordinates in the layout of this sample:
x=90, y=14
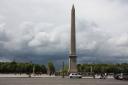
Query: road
x=60, y=81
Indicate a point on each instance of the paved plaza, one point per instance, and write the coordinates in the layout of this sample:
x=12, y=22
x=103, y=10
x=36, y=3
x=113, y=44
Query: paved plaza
x=60, y=81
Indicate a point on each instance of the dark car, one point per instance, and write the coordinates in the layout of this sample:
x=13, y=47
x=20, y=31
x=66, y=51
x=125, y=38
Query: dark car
x=121, y=76
x=125, y=76
x=118, y=76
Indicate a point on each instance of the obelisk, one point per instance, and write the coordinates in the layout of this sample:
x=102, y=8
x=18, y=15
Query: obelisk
x=72, y=50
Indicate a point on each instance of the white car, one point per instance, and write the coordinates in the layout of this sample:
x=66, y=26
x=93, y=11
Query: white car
x=75, y=75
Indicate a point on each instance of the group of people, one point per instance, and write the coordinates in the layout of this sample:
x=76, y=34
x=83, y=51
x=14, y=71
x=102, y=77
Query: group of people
x=102, y=75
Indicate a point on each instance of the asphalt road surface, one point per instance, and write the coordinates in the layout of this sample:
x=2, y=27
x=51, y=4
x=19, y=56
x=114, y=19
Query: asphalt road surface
x=60, y=81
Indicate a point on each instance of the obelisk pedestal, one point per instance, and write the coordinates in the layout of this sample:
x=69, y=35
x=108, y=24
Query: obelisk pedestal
x=72, y=51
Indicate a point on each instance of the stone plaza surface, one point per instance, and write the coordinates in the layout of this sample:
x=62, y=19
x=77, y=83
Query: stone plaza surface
x=60, y=81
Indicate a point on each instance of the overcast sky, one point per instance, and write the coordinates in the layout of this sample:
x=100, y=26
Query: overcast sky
x=38, y=30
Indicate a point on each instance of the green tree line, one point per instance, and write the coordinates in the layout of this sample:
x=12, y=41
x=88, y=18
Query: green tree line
x=14, y=67
x=103, y=68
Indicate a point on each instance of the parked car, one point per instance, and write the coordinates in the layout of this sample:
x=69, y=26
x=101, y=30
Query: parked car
x=121, y=76
x=75, y=75
x=118, y=76
x=125, y=76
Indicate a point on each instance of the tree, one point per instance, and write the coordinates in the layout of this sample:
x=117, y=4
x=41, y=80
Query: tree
x=51, y=68
x=44, y=69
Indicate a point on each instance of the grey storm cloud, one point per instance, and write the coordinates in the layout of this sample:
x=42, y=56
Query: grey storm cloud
x=38, y=30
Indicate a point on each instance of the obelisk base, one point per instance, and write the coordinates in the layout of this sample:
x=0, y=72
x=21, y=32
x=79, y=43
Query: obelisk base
x=72, y=64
